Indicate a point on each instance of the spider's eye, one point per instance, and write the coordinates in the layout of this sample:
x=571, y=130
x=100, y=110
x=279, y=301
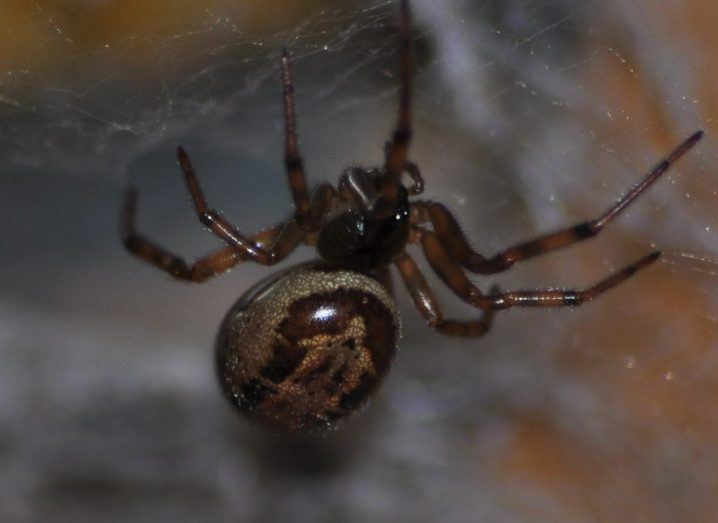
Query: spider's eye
x=307, y=347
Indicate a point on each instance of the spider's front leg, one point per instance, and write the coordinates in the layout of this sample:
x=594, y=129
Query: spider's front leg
x=292, y=158
x=397, y=149
x=410, y=168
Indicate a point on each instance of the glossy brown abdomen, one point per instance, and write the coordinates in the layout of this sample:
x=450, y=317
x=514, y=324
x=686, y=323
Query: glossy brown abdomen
x=307, y=348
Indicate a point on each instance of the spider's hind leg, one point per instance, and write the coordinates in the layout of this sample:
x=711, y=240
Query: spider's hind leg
x=454, y=240
x=429, y=308
x=455, y=278
x=568, y=298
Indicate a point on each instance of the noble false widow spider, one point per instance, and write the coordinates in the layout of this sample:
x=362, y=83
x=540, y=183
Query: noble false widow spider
x=310, y=344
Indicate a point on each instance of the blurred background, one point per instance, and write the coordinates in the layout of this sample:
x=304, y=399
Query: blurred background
x=529, y=115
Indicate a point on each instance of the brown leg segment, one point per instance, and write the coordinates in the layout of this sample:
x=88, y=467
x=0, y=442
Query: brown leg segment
x=412, y=170
x=451, y=274
x=322, y=200
x=278, y=241
x=292, y=159
x=429, y=307
x=418, y=187
x=383, y=276
x=455, y=242
x=282, y=240
x=448, y=270
x=551, y=298
x=218, y=225
x=398, y=147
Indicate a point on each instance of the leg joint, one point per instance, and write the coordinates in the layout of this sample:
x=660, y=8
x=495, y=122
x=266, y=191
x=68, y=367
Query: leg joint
x=573, y=298
x=207, y=218
x=587, y=229
x=293, y=163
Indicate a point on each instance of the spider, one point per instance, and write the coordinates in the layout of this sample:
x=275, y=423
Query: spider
x=310, y=344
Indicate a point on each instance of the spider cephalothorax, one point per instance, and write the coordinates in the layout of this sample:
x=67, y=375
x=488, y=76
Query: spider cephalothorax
x=367, y=230
x=309, y=345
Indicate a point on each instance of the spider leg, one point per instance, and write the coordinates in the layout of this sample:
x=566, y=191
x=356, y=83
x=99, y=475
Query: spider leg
x=281, y=241
x=568, y=298
x=218, y=225
x=429, y=308
x=202, y=269
x=447, y=269
x=277, y=241
x=383, y=276
x=292, y=158
x=396, y=151
x=412, y=170
x=455, y=242
x=323, y=199
x=455, y=278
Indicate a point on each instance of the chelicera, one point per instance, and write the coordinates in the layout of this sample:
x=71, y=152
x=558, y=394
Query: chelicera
x=310, y=344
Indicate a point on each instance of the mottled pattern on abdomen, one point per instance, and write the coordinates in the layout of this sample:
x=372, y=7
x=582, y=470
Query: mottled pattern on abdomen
x=308, y=349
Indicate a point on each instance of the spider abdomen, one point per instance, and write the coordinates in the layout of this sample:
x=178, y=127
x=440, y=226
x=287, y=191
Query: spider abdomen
x=307, y=347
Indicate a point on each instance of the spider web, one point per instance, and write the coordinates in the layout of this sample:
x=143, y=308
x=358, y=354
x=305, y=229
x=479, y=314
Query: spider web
x=528, y=116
